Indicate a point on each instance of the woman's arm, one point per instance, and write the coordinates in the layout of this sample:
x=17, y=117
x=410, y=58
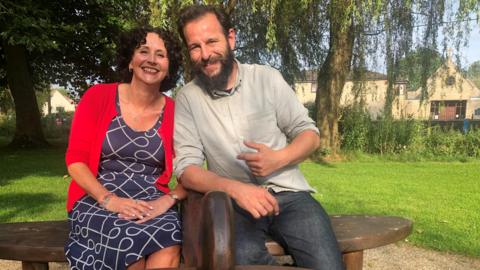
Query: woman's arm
x=85, y=179
x=127, y=207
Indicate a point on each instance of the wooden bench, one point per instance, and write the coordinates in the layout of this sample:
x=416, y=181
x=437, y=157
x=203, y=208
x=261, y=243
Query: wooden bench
x=208, y=236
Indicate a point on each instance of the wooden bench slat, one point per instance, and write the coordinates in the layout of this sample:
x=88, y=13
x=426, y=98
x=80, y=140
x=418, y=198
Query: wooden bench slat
x=44, y=240
x=357, y=232
x=33, y=241
x=208, y=236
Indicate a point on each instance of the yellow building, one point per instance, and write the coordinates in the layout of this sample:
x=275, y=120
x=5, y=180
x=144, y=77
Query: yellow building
x=451, y=96
x=58, y=103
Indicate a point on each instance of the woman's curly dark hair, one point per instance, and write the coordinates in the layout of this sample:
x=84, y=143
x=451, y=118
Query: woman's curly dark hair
x=133, y=39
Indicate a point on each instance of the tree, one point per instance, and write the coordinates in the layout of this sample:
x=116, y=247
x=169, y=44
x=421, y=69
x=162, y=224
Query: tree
x=418, y=65
x=358, y=29
x=336, y=36
x=67, y=42
x=473, y=73
x=332, y=75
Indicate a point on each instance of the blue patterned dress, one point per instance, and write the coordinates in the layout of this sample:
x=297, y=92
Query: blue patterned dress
x=130, y=163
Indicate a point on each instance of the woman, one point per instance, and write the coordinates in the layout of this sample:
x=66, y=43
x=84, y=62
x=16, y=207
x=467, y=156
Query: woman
x=120, y=157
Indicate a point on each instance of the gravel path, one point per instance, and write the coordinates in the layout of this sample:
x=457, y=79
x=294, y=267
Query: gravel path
x=403, y=256
x=399, y=256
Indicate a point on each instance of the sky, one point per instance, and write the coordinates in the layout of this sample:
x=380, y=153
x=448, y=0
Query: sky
x=468, y=54
x=472, y=52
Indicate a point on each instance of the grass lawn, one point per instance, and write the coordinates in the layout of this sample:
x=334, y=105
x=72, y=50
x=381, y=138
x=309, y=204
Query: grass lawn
x=32, y=186
x=442, y=198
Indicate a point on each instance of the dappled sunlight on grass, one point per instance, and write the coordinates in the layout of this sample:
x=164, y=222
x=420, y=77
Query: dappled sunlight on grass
x=32, y=185
x=15, y=164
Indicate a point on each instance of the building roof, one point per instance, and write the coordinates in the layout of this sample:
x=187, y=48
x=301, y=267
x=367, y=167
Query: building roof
x=310, y=75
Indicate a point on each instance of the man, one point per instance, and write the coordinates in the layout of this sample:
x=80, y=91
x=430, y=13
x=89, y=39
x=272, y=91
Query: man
x=240, y=118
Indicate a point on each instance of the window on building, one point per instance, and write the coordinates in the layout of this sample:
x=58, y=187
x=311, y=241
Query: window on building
x=434, y=109
x=448, y=110
x=477, y=112
x=314, y=88
x=460, y=109
x=450, y=80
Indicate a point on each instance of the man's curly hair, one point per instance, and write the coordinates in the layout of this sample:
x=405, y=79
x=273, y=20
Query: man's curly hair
x=133, y=39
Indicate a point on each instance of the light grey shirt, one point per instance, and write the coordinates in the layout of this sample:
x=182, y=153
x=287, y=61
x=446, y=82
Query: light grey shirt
x=261, y=108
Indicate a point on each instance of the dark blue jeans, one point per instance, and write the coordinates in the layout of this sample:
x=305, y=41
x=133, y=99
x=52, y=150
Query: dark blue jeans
x=303, y=229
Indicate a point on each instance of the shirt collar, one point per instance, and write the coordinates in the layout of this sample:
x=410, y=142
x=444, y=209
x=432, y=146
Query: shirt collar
x=238, y=80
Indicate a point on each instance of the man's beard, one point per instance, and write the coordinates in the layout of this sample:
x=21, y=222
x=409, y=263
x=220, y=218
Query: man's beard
x=219, y=81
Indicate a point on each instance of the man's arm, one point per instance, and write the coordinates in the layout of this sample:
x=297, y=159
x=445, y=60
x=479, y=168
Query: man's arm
x=293, y=120
x=188, y=167
x=254, y=199
x=266, y=161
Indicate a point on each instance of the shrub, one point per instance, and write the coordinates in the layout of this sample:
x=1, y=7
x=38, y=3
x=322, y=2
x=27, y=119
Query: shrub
x=382, y=136
x=355, y=124
x=470, y=145
x=406, y=139
x=442, y=143
x=7, y=125
x=310, y=106
x=57, y=125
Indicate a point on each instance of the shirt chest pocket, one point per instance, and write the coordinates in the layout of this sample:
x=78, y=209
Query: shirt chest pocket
x=260, y=127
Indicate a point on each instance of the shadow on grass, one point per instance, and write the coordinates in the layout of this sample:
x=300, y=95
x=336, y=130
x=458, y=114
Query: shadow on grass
x=25, y=204
x=16, y=164
x=321, y=161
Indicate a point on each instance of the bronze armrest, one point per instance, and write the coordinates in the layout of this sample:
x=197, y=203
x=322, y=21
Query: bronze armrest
x=208, y=231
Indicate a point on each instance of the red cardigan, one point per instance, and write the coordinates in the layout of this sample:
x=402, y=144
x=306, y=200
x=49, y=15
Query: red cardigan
x=89, y=127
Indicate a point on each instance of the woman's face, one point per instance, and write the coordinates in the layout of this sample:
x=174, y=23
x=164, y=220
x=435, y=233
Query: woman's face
x=149, y=62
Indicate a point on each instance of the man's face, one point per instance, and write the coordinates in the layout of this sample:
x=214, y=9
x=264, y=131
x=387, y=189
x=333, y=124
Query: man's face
x=210, y=51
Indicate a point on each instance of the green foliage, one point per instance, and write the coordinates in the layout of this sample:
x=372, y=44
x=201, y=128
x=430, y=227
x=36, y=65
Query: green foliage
x=56, y=126
x=6, y=101
x=473, y=73
x=355, y=123
x=383, y=136
x=287, y=35
x=389, y=136
x=68, y=42
x=42, y=98
x=310, y=106
x=442, y=143
x=451, y=143
x=417, y=66
x=471, y=143
x=7, y=125
x=406, y=139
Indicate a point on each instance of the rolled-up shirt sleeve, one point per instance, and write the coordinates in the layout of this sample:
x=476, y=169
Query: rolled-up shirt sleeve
x=187, y=143
x=292, y=116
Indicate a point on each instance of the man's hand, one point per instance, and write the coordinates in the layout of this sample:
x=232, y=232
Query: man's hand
x=254, y=199
x=264, y=162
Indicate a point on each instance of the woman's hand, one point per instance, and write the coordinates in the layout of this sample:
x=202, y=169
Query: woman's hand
x=128, y=208
x=160, y=206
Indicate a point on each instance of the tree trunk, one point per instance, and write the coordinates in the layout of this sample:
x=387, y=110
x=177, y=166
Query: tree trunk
x=332, y=76
x=28, y=131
